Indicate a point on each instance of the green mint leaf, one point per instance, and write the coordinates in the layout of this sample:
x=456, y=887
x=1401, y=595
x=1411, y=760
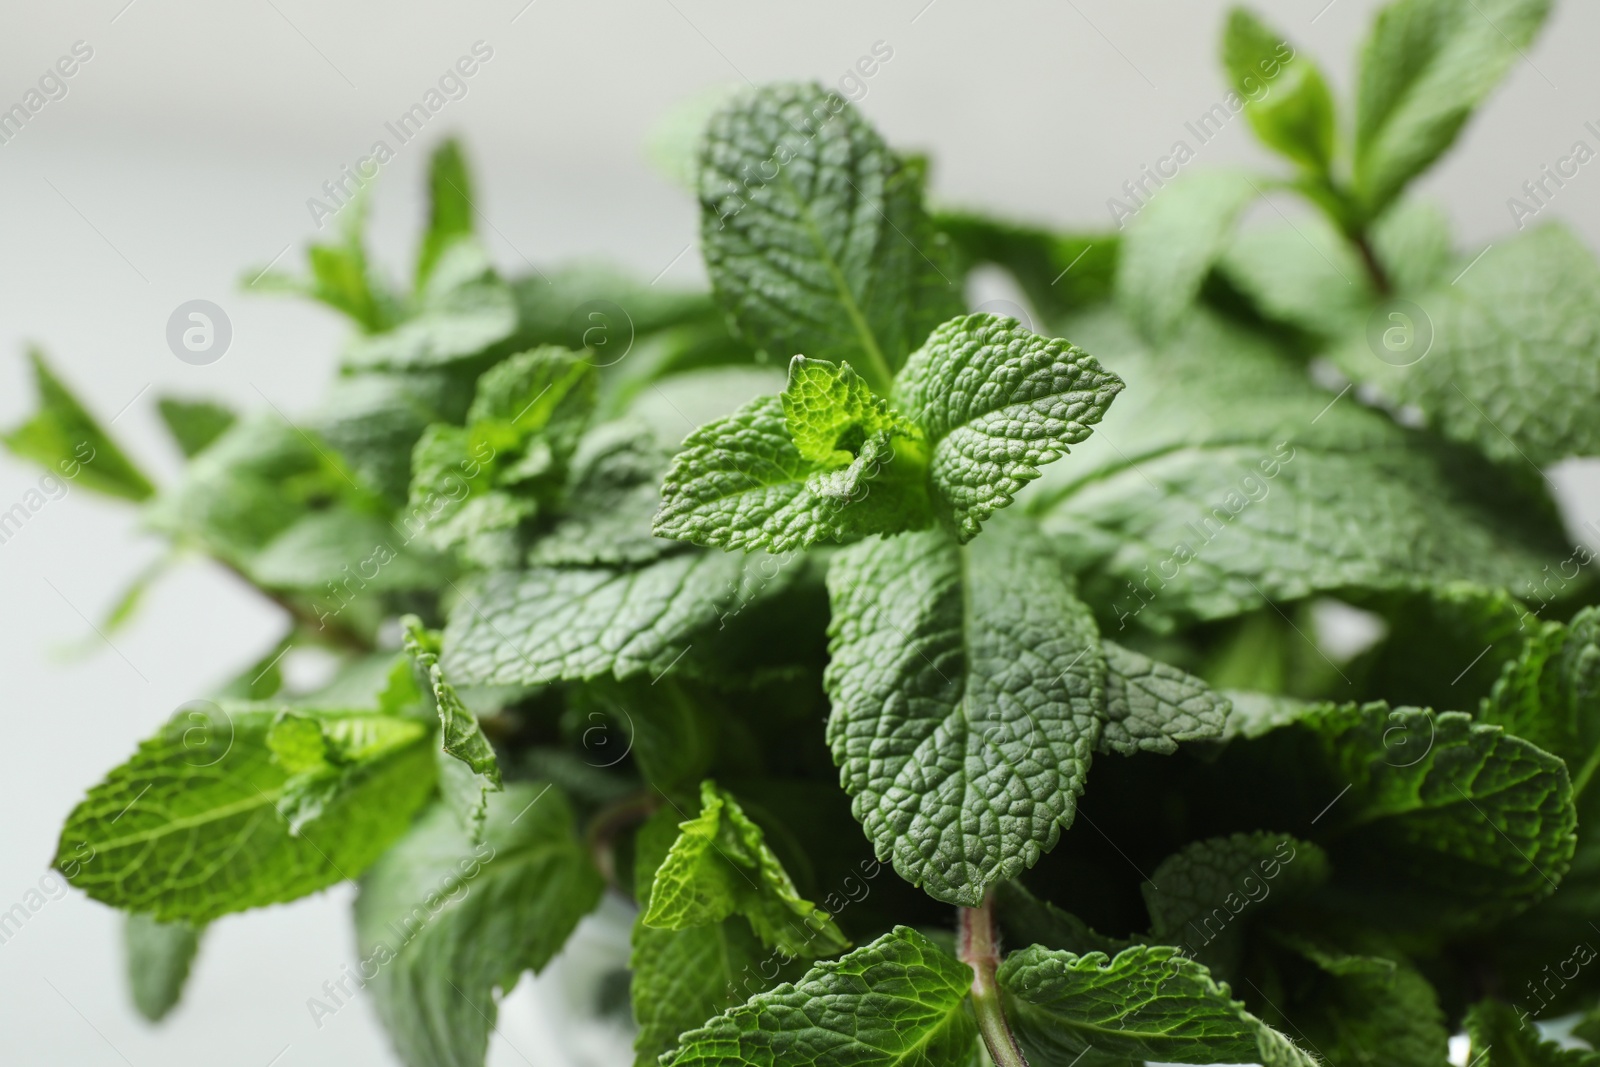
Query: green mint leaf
x=1425, y=67
x=65, y=439
x=1204, y=896
x=1151, y=706
x=1472, y=633
x=612, y=499
x=1172, y=243
x=681, y=978
x=189, y=827
x=1060, y=273
x=372, y=421
x=194, y=424
x=898, y=1002
x=1458, y=821
x=721, y=865
x=814, y=235
x=1289, y=105
x=443, y=923
x=463, y=311
x=1352, y=1005
x=967, y=686
x=158, y=957
x=341, y=276
x=1027, y=920
x=740, y=483
x=548, y=391
x=1224, y=480
x=545, y=623
x=1147, y=1003
x=829, y=411
x=1505, y=357
x=449, y=207
x=1501, y=1035
x=326, y=757
x=460, y=736
x=339, y=553
x=997, y=402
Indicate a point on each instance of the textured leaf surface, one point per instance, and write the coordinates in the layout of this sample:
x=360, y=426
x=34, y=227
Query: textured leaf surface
x=1514, y=364
x=615, y=489
x=460, y=736
x=445, y=923
x=1148, y=1003
x=997, y=402
x=1172, y=243
x=814, y=234
x=189, y=828
x=1481, y=820
x=1151, y=706
x=967, y=686
x=1364, y=1009
x=1426, y=65
x=1222, y=478
x=898, y=1002
x=158, y=958
x=740, y=483
x=681, y=978
x=65, y=439
x=544, y=624
x=1204, y=895
x=720, y=865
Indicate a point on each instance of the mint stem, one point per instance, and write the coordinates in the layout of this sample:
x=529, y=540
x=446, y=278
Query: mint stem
x=979, y=948
x=1375, y=271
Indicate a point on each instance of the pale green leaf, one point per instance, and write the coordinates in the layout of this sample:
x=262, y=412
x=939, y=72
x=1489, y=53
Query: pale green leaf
x=1289, y=105
x=721, y=865
x=188, y=828
x=158, y=957
x=460, y=736
x=64, y=439
x=449, y=206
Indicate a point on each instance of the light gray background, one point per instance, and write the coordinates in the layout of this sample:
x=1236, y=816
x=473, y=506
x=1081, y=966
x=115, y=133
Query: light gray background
x=184, y=153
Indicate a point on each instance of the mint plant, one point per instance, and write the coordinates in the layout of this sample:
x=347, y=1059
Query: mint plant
x=943, y=690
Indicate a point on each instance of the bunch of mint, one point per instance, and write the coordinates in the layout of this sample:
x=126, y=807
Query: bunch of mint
x=744, y=606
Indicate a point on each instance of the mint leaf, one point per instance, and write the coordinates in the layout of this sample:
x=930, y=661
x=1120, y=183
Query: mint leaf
x=1147, y=1003
x=898, y=1002
x=1060, y=273
x=1351, y=1007
x=194, y=424
x=341, y=277
x=188, y=829
x=542, y=624
x=1502, y=1036
x=719, y=866
x=462, y=311
x=1513, y=368
x=1289, y=105
x=1204, y=896
x=1223, y=480
x=1461, y=821
x=65, y=439
x=967, y=689
x=1027, y=920
x=681, y=978
x=740, y=483
x=443, y=923
x=1151, y=706
x=339, y=553
x=829, y=410
x=460, y=736
x=814, y=234
x=997, y=402
x=1425, y=67
x=1173, y=242
x=449, y=206
x=612, y=497
x=158, y=957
